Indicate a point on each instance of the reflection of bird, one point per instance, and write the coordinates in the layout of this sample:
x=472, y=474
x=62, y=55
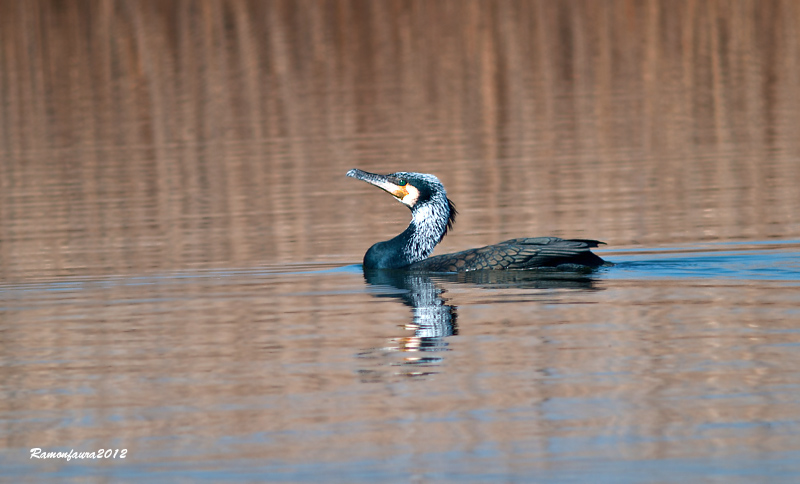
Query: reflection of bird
x=433, y=318
x=432, y=322
x=432, y=214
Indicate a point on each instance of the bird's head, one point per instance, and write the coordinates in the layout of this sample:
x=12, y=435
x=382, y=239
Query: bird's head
x=414, y=190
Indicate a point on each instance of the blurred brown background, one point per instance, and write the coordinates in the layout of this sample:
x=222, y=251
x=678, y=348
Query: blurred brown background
x=150, y=135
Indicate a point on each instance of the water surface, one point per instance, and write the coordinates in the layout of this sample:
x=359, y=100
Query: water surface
x=645, y=371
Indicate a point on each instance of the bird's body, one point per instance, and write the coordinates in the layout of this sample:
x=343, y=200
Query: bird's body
x=432, y=214
x=523, y=253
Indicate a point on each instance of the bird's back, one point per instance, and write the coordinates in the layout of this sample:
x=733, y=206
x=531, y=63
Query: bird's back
x=523, y=253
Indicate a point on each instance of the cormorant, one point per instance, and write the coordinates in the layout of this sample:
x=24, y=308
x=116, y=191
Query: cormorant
x=432, y=214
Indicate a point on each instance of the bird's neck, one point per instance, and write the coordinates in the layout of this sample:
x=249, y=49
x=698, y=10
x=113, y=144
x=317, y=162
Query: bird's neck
x=428, y=226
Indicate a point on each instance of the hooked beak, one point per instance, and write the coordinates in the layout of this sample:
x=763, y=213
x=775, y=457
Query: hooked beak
x=384, y=182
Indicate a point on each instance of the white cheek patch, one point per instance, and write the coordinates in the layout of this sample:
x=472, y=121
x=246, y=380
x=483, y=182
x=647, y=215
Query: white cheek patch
x=411, y=197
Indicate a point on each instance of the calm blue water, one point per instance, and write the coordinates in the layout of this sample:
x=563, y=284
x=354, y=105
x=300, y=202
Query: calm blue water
x=746, y=261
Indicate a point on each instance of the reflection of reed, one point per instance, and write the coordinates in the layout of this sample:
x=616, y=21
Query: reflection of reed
x=151, y=134
x=141, y=360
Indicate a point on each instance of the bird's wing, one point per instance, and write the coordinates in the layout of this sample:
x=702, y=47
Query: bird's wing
x=522, y=253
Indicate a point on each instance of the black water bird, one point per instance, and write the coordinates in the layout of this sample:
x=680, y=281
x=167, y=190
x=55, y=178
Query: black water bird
x=432, y=214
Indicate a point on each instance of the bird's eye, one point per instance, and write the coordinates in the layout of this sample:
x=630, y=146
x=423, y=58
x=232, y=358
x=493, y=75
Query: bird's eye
x=402, y=182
